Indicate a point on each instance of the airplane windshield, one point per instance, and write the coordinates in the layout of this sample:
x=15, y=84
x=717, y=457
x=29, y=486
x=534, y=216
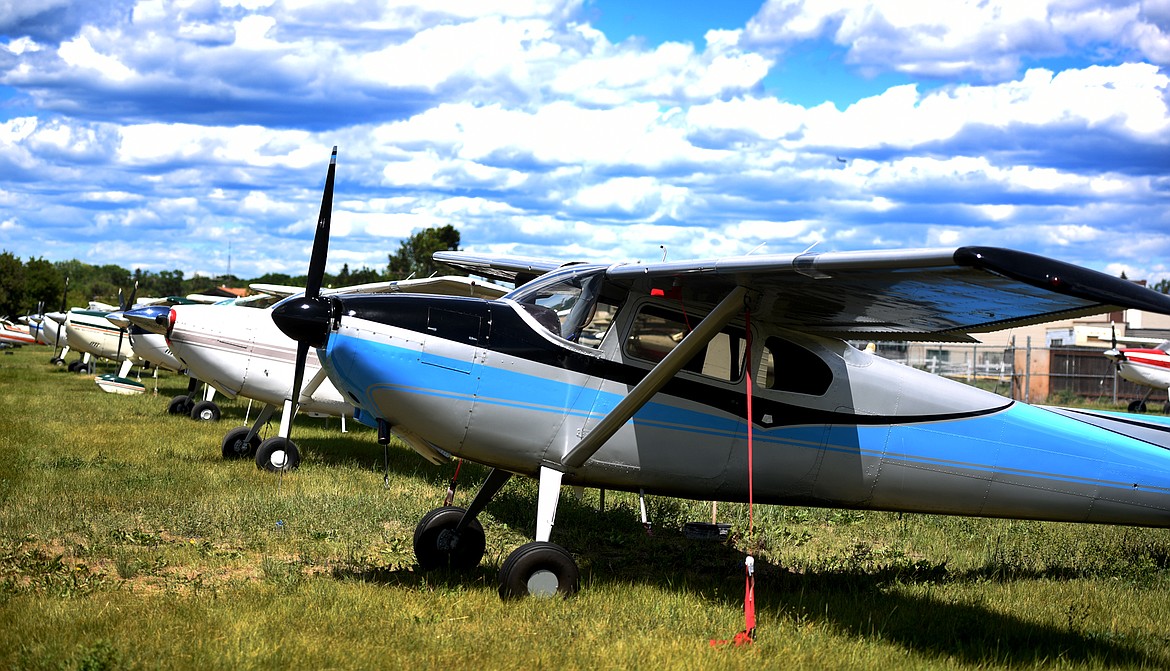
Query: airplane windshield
x=565, y=303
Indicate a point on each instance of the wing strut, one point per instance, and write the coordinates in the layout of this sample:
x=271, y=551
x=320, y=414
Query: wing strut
x=657, y=378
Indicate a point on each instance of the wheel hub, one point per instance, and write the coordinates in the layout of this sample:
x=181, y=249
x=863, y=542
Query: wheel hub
x=543, y=584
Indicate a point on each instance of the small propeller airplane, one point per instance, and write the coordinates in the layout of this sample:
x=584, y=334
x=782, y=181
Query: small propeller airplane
x=714, y=379
x=1147, y=366
x=12, y=333
x=239, y=352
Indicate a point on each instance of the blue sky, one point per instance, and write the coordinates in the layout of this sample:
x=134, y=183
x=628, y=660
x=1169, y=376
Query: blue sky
x=157, y=134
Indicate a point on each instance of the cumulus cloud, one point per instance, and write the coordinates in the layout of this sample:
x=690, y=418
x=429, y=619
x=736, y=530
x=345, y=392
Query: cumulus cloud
x=1039, y=125
x=963, y=38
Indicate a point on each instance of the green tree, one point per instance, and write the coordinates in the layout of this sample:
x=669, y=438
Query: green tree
x=11, y=285
x=366, y=275
x=414, y=255
x=43, y=283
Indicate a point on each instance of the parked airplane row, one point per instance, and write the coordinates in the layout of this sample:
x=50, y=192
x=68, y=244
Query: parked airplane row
x=725, y=379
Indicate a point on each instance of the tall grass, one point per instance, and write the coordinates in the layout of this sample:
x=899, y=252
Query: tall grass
x=127, y=542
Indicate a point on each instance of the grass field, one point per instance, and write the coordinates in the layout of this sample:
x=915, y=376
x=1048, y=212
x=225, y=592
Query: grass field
x=127, y=542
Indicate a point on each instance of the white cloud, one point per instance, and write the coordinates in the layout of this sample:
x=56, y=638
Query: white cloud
x=957, y=37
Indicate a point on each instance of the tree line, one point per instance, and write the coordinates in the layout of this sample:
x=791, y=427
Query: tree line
x=26, y=284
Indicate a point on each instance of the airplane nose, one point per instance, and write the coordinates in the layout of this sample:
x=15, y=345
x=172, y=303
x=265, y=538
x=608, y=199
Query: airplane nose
x=58, y=317
x=118, y=319
x=305, y=320
x=1115, y=355
x=153, y=319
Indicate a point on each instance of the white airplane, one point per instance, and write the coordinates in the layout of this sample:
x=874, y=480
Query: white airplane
x=12, y=333
x=731, y=380
x=1147, y=366
x=239, y=351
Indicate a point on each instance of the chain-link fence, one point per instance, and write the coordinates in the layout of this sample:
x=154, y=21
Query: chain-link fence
x=1026, y=372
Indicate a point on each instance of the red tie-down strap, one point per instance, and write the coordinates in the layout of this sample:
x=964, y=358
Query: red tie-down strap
x=748, y=634
x=749, y=591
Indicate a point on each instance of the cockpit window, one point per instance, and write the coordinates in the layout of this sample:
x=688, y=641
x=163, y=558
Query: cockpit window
x=570, y=305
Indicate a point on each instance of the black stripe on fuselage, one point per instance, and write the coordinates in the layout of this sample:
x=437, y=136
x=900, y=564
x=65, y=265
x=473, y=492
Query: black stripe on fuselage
x=495, y=326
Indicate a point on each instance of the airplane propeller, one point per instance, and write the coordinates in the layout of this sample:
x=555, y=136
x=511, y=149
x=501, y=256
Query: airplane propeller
x=305, y=319
x=123, y=306
x=57, y=346
x=1117, y=356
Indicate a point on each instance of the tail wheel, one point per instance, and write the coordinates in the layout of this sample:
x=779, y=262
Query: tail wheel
x=236, y=444
x=205, y=411
x=278, y=454
x=539, y=569
x=436, y=545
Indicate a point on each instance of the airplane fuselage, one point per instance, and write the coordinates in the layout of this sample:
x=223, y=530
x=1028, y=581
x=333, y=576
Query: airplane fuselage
x=240, y=352
x=90, y=331
x=832, y=425
x=1149, y=367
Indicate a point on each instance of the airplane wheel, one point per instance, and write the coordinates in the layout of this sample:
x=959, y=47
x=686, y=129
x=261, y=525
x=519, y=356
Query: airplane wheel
x=236, y=444
x=74, y=366
x=205, y=411
x=181, y=405
x=58, y=362
x=437, y=546
x=1137, y=406
x=278, y=454
x=85, y=368
x=538, y=569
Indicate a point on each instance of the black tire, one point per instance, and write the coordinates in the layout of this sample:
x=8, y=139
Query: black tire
x=278, y=454
x=85, y=368
x=237, y=446
x=180, y=405
x=57, y=361
x=539, y=569
x=436, y=546
x=1137, y=406
x=205, y=411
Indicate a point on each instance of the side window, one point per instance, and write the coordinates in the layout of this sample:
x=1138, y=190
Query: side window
x=786, y=366
x=656, y=331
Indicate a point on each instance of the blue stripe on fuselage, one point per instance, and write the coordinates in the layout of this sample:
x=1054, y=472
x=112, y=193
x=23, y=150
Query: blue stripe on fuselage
x=1021, y=440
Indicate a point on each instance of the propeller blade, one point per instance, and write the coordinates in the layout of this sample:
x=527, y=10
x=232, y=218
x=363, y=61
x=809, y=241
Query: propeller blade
x=307, y=319
x=321, y=237
x=57, y=346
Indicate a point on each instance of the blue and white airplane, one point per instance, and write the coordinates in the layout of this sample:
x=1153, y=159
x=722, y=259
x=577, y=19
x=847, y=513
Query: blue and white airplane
x=640, y=376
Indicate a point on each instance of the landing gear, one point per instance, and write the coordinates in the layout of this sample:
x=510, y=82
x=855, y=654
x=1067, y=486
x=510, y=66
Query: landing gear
x=239, y=443
x=57, y=361
x=539, y=569
x=181, y=405
x=440, y=543
x=205, y=411
x=1137, y=406
x=451, y=537
x=278, y=454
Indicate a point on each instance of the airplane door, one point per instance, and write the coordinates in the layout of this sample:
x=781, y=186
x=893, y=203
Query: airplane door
x=449, y=352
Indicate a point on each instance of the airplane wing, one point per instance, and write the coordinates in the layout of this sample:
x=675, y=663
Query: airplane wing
x=450, y=285
x=276, y=289
x=930, y=294
x=517, y=269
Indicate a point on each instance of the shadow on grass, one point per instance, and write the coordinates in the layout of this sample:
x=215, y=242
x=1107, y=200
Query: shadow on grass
x=612, y=547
